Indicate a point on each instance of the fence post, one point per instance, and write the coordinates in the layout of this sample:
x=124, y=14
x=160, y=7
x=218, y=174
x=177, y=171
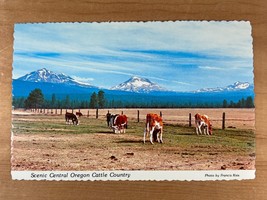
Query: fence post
x=223, y=120
x=72, y=110
x=61, y=111
x=190, y=118
x=138, y=115
x=122, y=112
x=160, y=114
x=96, y=114
x=88, y=113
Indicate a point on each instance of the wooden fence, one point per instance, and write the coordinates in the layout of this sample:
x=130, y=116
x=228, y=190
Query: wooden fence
x=96, y=115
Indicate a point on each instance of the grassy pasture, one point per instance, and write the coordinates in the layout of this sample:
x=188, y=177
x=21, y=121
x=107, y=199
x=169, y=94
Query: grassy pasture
x=45, y=142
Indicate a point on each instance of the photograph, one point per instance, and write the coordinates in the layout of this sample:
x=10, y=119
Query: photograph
x=117, y=97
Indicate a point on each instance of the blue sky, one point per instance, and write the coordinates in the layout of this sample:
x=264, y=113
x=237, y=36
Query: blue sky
x=181, y=55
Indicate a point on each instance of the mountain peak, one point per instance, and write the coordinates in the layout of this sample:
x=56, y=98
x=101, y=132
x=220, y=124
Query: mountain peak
x=138, y=85
x=46, y=76
x=238, y=85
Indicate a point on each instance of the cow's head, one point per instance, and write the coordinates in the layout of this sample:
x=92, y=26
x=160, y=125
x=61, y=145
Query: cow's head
x=210, y=129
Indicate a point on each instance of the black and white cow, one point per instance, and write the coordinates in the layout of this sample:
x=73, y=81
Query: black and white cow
x=110, y=119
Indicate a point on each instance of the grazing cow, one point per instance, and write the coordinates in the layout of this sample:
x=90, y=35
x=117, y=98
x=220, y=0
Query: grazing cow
x=154, y=125
x=72, y=117
x=119, y=124
x=203, y=122
x=110, y=119
x=79, y=114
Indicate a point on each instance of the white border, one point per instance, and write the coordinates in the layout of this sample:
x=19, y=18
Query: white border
x=203, y=175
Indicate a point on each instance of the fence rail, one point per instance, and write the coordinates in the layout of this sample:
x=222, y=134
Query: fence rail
x=136, y=115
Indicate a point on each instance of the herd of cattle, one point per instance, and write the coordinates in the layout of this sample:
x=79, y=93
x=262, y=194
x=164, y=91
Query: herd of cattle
x=153, y=127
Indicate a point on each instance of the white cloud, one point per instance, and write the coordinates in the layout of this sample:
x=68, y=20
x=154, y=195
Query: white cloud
x=86, y=49
x=83, y=79
x=212, y=68
x=182, y=83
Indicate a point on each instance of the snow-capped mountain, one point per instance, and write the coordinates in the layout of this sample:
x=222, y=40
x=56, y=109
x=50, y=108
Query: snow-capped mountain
x=47, y=76
x=237, y=86
x=138, y=85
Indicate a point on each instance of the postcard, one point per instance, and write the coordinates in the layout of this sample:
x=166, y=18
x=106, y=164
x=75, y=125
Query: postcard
x=170, y=100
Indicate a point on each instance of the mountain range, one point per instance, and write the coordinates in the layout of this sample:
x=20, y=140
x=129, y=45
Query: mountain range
x=135, y=89
x=134, y=84
x=237, y=86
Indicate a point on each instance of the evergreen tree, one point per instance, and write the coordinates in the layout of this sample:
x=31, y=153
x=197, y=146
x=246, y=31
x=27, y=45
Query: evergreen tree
x=67, y=101
x=101, y=99
x=93, y=101
x=35, y=99
x=19, y=102
x=249, y=102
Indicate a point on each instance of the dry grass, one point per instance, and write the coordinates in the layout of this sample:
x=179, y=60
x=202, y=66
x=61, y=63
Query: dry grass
x=45, y=142
x=239, y=118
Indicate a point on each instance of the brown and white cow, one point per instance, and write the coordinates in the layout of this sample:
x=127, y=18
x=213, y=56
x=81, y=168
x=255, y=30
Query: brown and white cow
x=154, y=125
x=203, y=122
x=119, y=124
x=72, y=117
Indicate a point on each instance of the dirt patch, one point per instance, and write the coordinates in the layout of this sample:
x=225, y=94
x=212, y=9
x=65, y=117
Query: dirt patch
x=92, y=152
x=44, y=142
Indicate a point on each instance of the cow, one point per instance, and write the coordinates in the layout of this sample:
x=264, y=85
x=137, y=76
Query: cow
x=119, y=124
x=110, y=119
x=72, y=117
x=203, y=122
x=79, y=114
x=154, y=127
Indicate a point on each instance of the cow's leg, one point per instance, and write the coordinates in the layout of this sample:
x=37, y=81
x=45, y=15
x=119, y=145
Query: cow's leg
x=207, y=130
x=198, y=129
x=151, y=135
x=145, y=133
x=160, y=133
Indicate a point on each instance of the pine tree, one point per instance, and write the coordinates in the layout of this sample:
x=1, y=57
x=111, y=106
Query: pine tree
x=249, y=102
x=67, y=101
x=93, y=101
x=35, y=99
x=101, y=99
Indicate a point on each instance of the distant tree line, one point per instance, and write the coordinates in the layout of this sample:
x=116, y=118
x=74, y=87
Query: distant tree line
x=242, y=103
x=98, y=100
